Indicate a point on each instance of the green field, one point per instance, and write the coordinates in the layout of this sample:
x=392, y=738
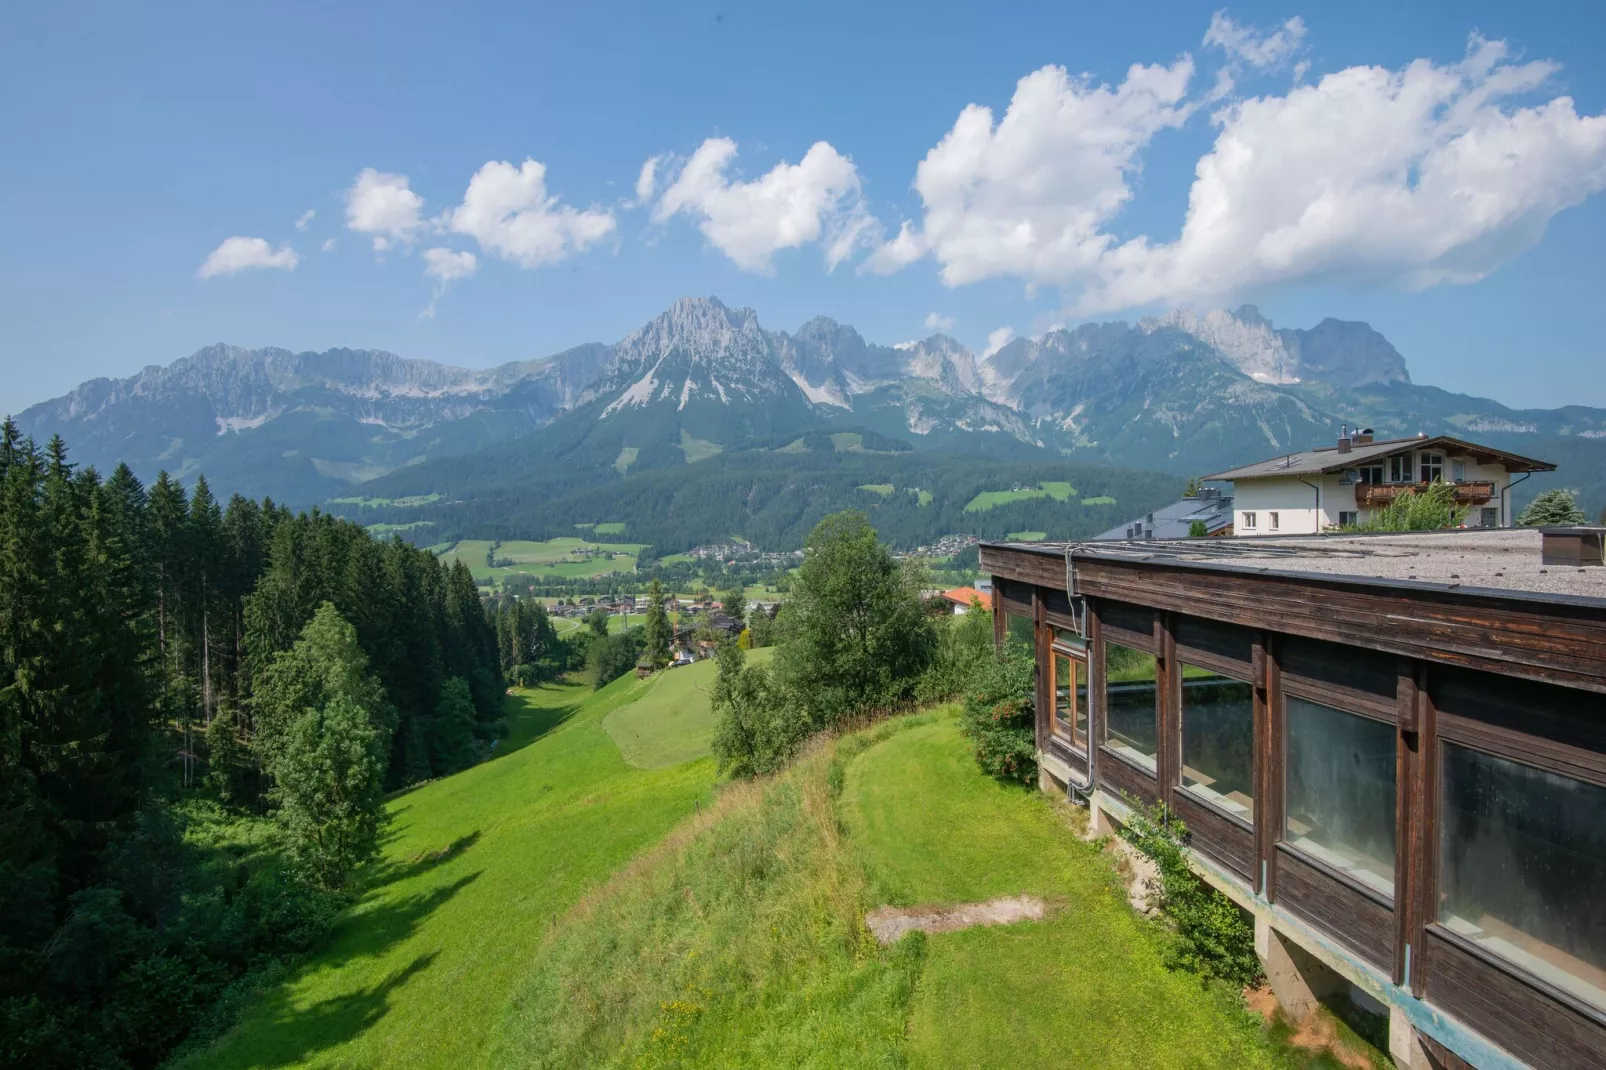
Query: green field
x=991, y=499
x=612, y=527
x=672, y=722
x=1027, y=536
x=925, y=496
x=1102, y=499
x=475, y=867
x=882, y=489
x=627, y=457
x=695, y=449
x=379, y=503
x=391, y=529
x=555, y=557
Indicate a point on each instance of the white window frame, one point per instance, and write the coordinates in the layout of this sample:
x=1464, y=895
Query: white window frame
x=1431, y=461
x=1249, y=520
x=1401, y=468
x=1273, y=517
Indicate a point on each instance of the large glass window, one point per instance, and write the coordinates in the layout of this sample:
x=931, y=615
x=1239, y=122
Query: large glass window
x=1129, y=709
x=1339, y=791
x=1019, y=629
x=1522, y=865
x=1070, y=697
x=1218, y=740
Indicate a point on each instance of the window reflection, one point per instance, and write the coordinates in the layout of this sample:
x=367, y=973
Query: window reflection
x=1340, y=791
x=1218, y=740
x=1129, y=709
x=1070, y=699
x=1523, y=862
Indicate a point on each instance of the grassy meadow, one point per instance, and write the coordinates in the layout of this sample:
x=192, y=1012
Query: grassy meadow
x=554, y=557
x=594, y=896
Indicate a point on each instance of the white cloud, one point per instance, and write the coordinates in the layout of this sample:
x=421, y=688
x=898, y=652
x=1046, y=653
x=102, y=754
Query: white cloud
x=445, y=267
x=1414, y=177
x=816, y=199
x=1244, y=44
x=242, y=254
x=508, y=211
x=381, y=204
x=1028, y=196
x=1425, y=175
x=304, y=219
x=936, y=321
x=647, y=181
x=997, y=340
x=328, y=245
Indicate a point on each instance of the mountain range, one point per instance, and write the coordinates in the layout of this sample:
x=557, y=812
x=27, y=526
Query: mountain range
x=1184, y=393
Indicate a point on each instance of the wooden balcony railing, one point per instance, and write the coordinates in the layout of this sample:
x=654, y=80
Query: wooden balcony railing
x=1371, y=495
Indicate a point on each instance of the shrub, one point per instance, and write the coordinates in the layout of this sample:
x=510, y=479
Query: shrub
x=1428, y=509
x=758, y=729
x=964, y=645
x=999, y=716
x=1214, y=939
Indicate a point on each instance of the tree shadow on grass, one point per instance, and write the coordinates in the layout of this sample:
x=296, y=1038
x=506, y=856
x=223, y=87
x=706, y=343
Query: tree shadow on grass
x=527, y=723
x=389, y=872
x=283, y=1034
x=300, y=1033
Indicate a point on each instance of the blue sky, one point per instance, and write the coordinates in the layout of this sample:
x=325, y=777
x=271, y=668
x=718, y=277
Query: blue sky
x=1452, y=204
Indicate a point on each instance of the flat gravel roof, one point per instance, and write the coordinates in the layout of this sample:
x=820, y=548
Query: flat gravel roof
x=1501, y=559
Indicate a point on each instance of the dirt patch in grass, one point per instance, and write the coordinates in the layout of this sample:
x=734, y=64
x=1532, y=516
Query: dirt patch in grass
x=1321, y=1032
x=890, y=924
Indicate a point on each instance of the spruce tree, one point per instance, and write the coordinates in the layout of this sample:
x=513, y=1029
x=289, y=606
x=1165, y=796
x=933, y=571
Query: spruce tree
x=1553, y=508
x=657, y=629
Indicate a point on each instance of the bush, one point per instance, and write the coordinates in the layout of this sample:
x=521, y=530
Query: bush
x=1214, y=939
x=1431, y=508
x=999, y=716
x=964, y=645
x=758, y=728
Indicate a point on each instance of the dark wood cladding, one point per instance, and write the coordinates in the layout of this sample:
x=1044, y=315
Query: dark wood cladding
x=1553, y=641
x=1216, y=835
x=1518, y=1016
x=1359, y=681
x=1348, y=914
x=1214, y=644
x=1043, y=567
x=1128, y=625
x=1077, y=760
x=1558, y=728
x=1125, y=780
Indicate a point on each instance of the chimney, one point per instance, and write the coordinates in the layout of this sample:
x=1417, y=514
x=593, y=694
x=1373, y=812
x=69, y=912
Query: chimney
x=1363, y=437
x=1343, y=438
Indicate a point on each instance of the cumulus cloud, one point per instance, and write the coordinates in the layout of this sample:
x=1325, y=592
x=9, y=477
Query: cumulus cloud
x=816, y=199
x=328, y=245
x=509, y=212
x=304, y=219
x=1414, y=177
x=1260, y=50
x=1028, y=195
x=997, y=340
x=445, y=266
x=1425, y=175
x=239, y=254
x=936, y=321
x=382, y=205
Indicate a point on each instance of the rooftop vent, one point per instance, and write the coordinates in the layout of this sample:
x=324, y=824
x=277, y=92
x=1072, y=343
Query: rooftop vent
x=1363, y=437
x=1571, y=546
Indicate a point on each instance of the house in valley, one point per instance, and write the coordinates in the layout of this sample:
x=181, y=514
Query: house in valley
x=1209, y=508
x=962, y=597
x=1335, y=486
x=1389, y=750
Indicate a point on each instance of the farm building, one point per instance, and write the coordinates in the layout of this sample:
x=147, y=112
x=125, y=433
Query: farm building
x=1389, y=749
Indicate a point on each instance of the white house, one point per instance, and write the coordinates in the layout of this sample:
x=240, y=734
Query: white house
x=1332, y=486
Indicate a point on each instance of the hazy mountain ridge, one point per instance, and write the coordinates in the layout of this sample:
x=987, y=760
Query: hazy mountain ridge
x=1185, y=392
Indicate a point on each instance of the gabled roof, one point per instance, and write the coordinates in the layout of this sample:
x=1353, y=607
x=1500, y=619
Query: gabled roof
x=1328, y=459
x=1174, y=521
x=963, y=596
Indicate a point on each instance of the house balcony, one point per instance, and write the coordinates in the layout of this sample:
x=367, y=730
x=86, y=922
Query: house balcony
x=1373, y=495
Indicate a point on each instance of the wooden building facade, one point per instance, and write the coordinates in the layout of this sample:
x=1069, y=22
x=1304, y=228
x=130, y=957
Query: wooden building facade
x=1405, y=781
